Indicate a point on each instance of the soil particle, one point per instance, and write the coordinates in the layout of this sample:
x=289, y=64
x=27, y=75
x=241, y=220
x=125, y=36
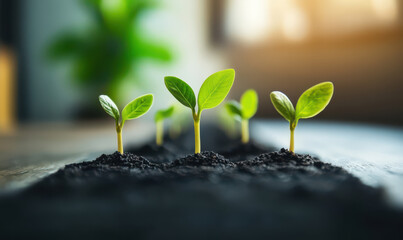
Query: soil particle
x=242, y=151
x=203, y=159
x=115, y=160
x=156, y=154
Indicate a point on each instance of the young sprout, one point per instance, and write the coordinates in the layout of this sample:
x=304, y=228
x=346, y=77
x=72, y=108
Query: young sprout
x=180, y=119
x=159, y=117
x=132, y=110
x=244, y=110
x=212, y=92
x=228, y=122
x=309, y=104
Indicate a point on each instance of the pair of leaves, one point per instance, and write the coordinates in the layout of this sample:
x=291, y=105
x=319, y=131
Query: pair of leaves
x=247, y=107
x=212, y=92
x=132, y=110
x=164, y=113
x=310, y=103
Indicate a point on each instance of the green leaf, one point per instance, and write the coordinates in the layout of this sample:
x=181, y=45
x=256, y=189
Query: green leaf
x=181, y=91
x=163, y=114
x=249, y=102
x=283, y=105
x=109, y=106
x=314, y=100
x=234, y=109
x=137, y=107
x=215, y=88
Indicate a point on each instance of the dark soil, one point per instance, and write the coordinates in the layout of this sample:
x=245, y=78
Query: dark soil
x=238, y=151
x=200, y=196
x=213, y=139
x=157, y=154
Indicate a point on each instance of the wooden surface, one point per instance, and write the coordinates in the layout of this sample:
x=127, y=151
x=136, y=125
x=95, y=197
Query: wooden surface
x=37, y=150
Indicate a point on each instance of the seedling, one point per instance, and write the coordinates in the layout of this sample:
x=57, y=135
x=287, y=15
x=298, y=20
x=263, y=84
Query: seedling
x=159, y=118
x=309, y=104
x=228, y=123
x=132, y=110
x=244, y=111
x=179, y=119
x=212, y=92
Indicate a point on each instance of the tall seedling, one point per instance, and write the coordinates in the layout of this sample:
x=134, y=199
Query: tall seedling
x=132, y=110
x=213, y=91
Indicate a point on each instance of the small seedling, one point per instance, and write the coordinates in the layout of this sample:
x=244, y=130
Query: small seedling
x=228, y=123
x=244, y=110
x=179, y=119
x=309, y=104
x=159, y=118
x=132, y=110
x=212, y=92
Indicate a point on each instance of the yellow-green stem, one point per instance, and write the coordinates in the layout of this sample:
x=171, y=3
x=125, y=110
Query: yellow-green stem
x=120, y=145
x=159, y=133
x=245, y=131
x=197, y=135
x=292, y=128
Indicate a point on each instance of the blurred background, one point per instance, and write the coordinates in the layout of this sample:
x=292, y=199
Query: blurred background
x=56, y=57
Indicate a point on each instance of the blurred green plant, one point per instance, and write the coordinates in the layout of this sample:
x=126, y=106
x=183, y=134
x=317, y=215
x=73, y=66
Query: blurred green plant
x=109, y=51
x=243, y=111
x=159, y=118
x=228, y=122
x=180, y=118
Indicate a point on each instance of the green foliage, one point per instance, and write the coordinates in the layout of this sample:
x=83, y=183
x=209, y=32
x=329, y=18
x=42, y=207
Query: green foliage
x=212, y=92
x=314, y=100
x=247, y=107
x=234, y=109
x=164, y=113
x=244, y=110
x=137, y=107
x=215, y=88
x=181, y=91
x=132, y=110
x=310, y=103
x=249, y=103
x=283, y=105
x=109, y=106
x=108, y=52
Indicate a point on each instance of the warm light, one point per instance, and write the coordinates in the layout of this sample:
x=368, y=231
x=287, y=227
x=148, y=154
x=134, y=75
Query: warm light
x=248, y=20
x=385, y=10
x=7, y=85
x=295, y=25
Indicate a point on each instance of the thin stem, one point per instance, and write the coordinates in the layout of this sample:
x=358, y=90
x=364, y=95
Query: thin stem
x=197, y=136
x=159, y=133
x=292, y=128
x=120, y=145
x=196, y=120
x=245, y=131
